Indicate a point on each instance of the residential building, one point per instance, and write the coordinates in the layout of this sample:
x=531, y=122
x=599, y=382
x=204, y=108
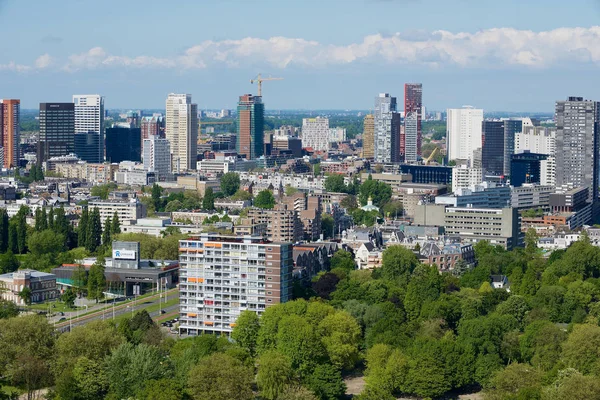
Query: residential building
x=464, y=135
x=283, y=223
x=446, y=256
x=250, y=127
x=181, y=130
x=539, y=140
x=577, y=158
x=89, y=119
x=411, y=137
x=289, y=144
x=526, y=168
x=41, y=284
x=157, y=156
x=152, y=126
x=512, y=128
x=223, y=164
x=315, y=133
x=309, y=211
x=464, y=177
x=387, y=129
x=127, y=210
x=413, y=103
x=492, y=151
x=123, y=144
x=10, y=112
x=368, y=137
x=57, y=130
x=221, y=276
x=337, y=135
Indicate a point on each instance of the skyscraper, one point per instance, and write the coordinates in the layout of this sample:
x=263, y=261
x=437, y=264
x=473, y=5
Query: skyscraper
x=411, y=137
x=250, y=127
x=181, y=130
x=413, y=103
x=577, y=143
x=492, y=152
x=315, y=133
x=89, y=119
x=10, y=111
x=57, y=130
x=157, y=156
x=512, y=127
x=123, y=144
x=387, y=129
x=540, y=140
x=369, y=137
x=464, y=133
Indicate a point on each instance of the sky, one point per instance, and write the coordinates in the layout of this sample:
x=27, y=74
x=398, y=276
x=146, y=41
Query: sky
x=509, y=55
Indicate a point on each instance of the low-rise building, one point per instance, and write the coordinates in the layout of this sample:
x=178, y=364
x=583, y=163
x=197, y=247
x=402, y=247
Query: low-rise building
x=483, y=195
x=42, y=286
x=446, y=256
x=127, y=210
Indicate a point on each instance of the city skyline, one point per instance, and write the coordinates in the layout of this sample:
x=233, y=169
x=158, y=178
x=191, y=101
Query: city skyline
x=453, y=57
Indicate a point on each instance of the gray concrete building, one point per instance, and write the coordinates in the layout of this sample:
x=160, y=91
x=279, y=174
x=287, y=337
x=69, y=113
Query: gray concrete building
x=387, y=129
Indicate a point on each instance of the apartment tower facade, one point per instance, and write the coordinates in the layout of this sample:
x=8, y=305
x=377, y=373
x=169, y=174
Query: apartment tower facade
x=369, y=137
x=464, y=135
x=315, y=133
x=387, y=129
x=413, y=103
x=89, y=120
x=181, y=130
x=10, y=112
x=250, y=127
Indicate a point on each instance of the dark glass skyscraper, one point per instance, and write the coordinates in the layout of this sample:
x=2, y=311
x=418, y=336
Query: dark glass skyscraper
x=511, y=128
x=492, y=152
x=123, y=144
x=250, y=126
x=57, y=130
x=413, y=103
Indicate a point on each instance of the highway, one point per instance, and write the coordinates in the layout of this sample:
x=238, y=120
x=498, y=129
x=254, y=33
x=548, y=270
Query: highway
x=128, y=307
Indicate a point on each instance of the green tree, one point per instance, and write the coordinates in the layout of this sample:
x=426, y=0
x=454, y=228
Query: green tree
x=300, y=343
x=8, y=262
x=245, y=332
x=94, y=231
x=174, y=205
x=62, y=225
x=294, y=392
x=106, y=232
x=516, y=381
x=379, y=192
x=317, y=169
x=349, y=203
x=156, y=197
x=83, y=228
x=3, y=230
x=13, y=237
x=398, y=263
x=343, y=259
x=242, y=195
x=274, y=374
x=21, y=227
x=289, y=190
x=581, y=350
x=571, y=384
x=326, y=382
x=230, y=183
x=101, y=191
x=220, y=377
x=208, y=202
x=392, y=209
x=327, y=225
x=341, y=336
x=264, y=200
x=162, y=389
x=68, y=297
x=8, y=309
x=80, y=278
x=129, y=367
x=334, y=183
x=115, y=227
x=51, y=218
x=96, y=281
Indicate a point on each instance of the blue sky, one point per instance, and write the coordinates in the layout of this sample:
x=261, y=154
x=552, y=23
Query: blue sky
x=499, y=55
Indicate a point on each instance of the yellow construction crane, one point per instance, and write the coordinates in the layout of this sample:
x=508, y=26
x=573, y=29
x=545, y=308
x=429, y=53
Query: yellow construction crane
x=433, y=154
x=259, y=79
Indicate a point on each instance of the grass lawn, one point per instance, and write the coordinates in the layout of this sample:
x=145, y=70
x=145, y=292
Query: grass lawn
x=55, y=306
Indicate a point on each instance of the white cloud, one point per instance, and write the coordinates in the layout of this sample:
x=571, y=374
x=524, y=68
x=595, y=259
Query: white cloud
x=43, y=61
x=490, y=48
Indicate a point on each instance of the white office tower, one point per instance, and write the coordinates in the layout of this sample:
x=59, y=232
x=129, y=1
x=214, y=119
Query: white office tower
x=89, y=119
x=464, y=176
x=181, y=130
x=411, y=137
x=387, y=129
x=157, y=156
x=463, y=133
x=540, y=140
x=337, y=135
x=315, y=133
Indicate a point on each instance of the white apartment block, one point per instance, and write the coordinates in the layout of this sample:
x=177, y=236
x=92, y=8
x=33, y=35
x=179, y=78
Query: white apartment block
x=127, y=210
x=157, y=156
x=465, y=177
x=411, y=137
x=337, y=135
x=387, y=129
x=464, y=134
x=89, y=117
x=181, y=130
x=541, y=140
x=301, y=182
x=315, y=133
x=221, y=276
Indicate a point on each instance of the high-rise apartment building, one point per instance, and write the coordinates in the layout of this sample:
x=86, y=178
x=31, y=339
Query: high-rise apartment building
x=221, y=276
x=411, y=137
x=539, y=140
x=315, y=133
x=577, y=144
x=250, y=127
x=512, y=127
x=181, y=130
x=89, y=119
x=57, y=130
x=10, y=112
x=492, y=151
x=413, y=103
x=368, y=137
x=123, y=144
x=464, y=135
x=152, y=126
x=283, y=223
x=387, y=129
x=157, y=156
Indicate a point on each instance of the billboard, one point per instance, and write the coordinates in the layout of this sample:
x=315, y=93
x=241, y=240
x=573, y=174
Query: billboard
x=123, y=254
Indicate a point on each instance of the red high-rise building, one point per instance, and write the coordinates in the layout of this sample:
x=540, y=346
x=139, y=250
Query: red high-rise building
x=413, y=102
x=9, y=131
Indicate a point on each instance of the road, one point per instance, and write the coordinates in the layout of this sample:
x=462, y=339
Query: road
x=121, y=309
